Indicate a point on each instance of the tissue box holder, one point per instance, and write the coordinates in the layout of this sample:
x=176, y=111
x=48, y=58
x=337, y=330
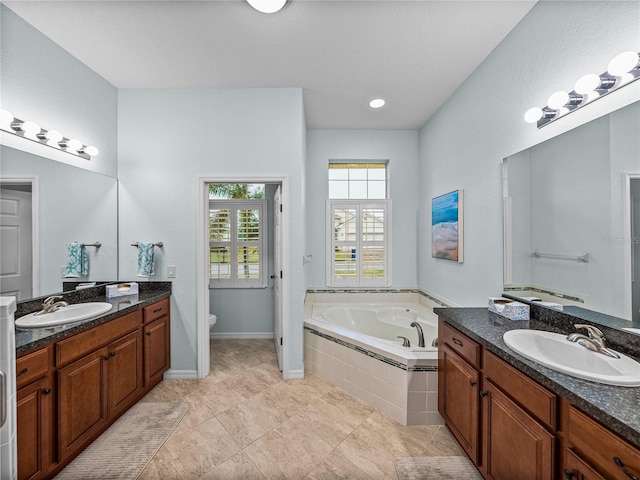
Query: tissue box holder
x=509, y=308
x=122, y=289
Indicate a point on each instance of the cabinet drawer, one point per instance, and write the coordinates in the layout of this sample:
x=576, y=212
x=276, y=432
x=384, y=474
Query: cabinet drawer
x=460, y=343
x=79, y=345
x=600, y=447
x=31, y=367
x=537, y=400
x=155, y=311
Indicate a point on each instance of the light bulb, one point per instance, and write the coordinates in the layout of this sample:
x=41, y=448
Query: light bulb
x=377, y=103
x=267, y=6
x=89, y=150
x=5, y=118
x=558, y=100
x=623, y=63
x=30, y=129
x=53, y=135
x=74, y=144
x=587, y=84
x=533, y=115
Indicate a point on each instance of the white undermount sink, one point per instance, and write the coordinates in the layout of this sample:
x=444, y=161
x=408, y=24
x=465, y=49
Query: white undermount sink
x=632, y=330
x=556, y=352
x=69, y=314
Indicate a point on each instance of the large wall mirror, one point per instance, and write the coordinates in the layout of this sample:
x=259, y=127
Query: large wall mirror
x=46, y=205
x=572, y=220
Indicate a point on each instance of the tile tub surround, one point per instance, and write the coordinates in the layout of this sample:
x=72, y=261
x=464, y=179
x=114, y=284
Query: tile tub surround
x=406, y=389
x=408, y=394
x=27, y=340
x=615, y=407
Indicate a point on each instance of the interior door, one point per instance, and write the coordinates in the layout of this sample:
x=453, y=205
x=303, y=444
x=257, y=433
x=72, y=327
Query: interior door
x=277, y=276
x=16, y=270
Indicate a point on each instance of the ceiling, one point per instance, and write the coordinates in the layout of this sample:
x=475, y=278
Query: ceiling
x=414, y=54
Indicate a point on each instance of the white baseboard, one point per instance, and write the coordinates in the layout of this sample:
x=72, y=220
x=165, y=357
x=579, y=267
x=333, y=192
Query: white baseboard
x=243, y=335
x=172, y=374
x=294, y=374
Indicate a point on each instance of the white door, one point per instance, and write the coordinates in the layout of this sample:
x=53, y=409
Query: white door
x=16, y=270
x=277, y=275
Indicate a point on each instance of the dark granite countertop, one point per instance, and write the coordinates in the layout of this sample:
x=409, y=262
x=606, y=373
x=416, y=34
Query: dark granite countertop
x=616, y=407
x=33, y=338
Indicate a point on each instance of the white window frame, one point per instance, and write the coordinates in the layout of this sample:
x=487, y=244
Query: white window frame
x=234, y=205
x=359, y=280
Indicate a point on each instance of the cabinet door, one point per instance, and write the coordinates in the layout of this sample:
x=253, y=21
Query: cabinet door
x=125, y=372
x=34, y=429
x=82, y=401
x=514, y=444
x=459, y=400
x=156, y=350
x=578, y=469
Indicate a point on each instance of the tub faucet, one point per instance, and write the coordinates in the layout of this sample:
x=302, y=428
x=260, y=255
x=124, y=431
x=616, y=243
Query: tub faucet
x=420, y=334
x=52, y=304
x=594, y=341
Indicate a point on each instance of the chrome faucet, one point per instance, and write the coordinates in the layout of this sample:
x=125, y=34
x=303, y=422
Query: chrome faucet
x=420, y=334
x=594, y=341
x=52, y=304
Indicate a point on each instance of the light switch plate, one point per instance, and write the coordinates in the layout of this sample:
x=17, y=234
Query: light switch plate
x=171, y=271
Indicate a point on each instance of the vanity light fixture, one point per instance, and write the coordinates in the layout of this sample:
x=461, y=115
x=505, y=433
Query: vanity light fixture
x=622, y=70
x=52, y=138
x=267, y=6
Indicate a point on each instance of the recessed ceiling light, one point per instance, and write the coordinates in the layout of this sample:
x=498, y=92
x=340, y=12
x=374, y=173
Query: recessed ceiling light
x=267, y=6
x=377, y=103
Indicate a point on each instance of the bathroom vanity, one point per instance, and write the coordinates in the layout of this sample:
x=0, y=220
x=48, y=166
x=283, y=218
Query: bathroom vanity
x=74, y=381
x=518, y=419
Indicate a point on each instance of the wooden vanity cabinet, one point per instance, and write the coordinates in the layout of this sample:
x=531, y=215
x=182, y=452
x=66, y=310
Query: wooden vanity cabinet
x=460, y=381
x=35, y=415
x=71, y=390
x=514, y=443
x=100, y=385
x=594, y=452
x=157, y=347
x=502, y=419
x=523, y=430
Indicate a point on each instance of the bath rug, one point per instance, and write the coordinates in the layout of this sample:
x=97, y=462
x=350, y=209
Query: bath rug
x=436, y=468
x=126, y=447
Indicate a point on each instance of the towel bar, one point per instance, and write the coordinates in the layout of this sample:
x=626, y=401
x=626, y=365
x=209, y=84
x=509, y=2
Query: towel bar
x=157, y=244
x=94, y=244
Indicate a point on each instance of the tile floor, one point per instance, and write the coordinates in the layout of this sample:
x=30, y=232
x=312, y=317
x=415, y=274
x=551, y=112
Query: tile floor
x=247, y=422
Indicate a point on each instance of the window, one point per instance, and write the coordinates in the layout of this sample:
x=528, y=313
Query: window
x=237, y=243
x=358, y=225
x=358, y=180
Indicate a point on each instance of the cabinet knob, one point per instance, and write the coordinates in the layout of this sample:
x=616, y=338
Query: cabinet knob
x=107, y=357
x=473, y=383
x=483, y=393
x=621, y=466
x=567, y=474
x=112, y=354
x=46, y=391
x=148, y=332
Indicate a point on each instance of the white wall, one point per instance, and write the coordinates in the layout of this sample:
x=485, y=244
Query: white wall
x=400, y=148
x=170, y=138
x=462, y=145
x=44, y=83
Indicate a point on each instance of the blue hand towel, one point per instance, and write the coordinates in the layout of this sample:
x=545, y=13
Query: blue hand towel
x=145, y=259
x=77, y=261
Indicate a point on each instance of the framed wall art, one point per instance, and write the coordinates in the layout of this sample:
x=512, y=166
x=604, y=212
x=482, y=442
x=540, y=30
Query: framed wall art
x=447, y=226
